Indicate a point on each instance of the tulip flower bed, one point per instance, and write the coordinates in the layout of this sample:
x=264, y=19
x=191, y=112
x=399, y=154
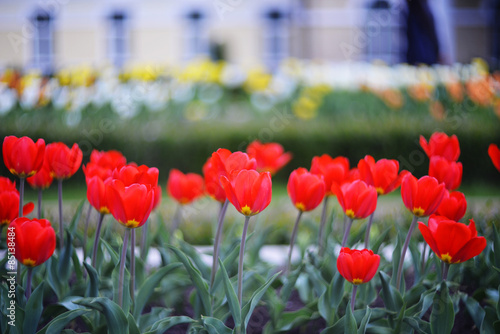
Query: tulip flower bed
x=354, y=273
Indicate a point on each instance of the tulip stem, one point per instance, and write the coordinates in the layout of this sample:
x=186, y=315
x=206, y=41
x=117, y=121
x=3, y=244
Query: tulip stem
x=217, y=241
x=29, y=278
x=61, y=228
x=21, y=204
x=403, y=253
x=87, y=221
x=346, y=233
x=292, y=241
x=144, y=239
x=240, y=263
x=177, y=219
x=96, y=240
x=367, y=234
x=123, y=259
x=424, y=251
x=39, y=209
x=21, y=195
x=446, y=267
x=132, y=264
x=321, y=241
x=353, y=296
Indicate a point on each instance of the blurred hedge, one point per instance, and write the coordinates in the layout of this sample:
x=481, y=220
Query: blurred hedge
x=349, y=124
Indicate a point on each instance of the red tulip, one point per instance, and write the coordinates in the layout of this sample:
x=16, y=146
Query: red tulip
x=357, y=199
x=453, y=206
x=35, y=240
x=249, y=191
x=6, y=184
x=42, y=179
x=108, y=159
x=333, y=170
x=452, y=242
x=9, y=207
x=441, y=145
x=212, y=184
x=97, y=194
x=306, y=190
x=227, y=163
x=357, y=266
x=494, y=153
x=423, y=196
x=131, y=174
x=185, y=188
x=448, y=172
x=63, y=161
x=22, y=156
x=270, y=157
x=130, y=205
x=384, y=174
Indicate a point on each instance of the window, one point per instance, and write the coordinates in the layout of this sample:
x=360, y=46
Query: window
x=196, y=35
x=383, y=31
x=43, y=41
x=118, y=44
x=275, y=38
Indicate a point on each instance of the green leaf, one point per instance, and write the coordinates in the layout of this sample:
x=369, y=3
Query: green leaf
x=498, y=303
x=147, y=288
x=490, y=321
x=115, y=258
x=417, y=324
x=148, y=319
x=443, y=314
x=76, y=218
x=247, y=310
x=496, y=246
x=365, y=321
x=116, y=320
x=475, y=310
x=55, y=282
x=34, y=308
x=380, y=240
x=289, y=284
x=56, y=325
x=64, y=262
x=195, y=257
x=396, y=255
x=215, y=326
x=198, y=281
x=329, y=301
x=132, y=325
x=350, y=326
x=229, y=261
x=232, y=299
x=93, y=287
x=391, y=297
x=163, y=325
x=289, y=320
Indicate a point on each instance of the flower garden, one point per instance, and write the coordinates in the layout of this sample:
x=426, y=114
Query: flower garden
x=358, y=175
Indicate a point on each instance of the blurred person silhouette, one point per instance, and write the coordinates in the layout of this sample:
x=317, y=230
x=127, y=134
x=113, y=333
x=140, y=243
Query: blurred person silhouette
x=422, y=40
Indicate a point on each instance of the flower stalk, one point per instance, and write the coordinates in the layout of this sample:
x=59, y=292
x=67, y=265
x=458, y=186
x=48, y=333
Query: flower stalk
x=403, y=253
x=96, y=240
x=292, y=240
x=321, y=238
x=61, y=228
x=123, y=259
x=29, y=278
x=353, y=296
x=240, y=262
x=217, y=241
x=347, y=229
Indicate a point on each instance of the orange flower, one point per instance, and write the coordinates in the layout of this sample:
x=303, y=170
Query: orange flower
x=96, y=194
x=249, y=191
x=270, y=157
x=423, y=196
x=212, y=184
x=42, y=179
x=63, y=161
x=357, y=199
x=383, y=175
x=185, y=188
x=22, y=156
x=357, y=266
x=9, y=207
x=448, y=172
x=494, y=153
x=442, y=145
x=452, y=242
x=306, y=190
x=35, y=240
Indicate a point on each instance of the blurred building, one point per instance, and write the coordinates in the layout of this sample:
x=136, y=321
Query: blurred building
x=49, y=34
